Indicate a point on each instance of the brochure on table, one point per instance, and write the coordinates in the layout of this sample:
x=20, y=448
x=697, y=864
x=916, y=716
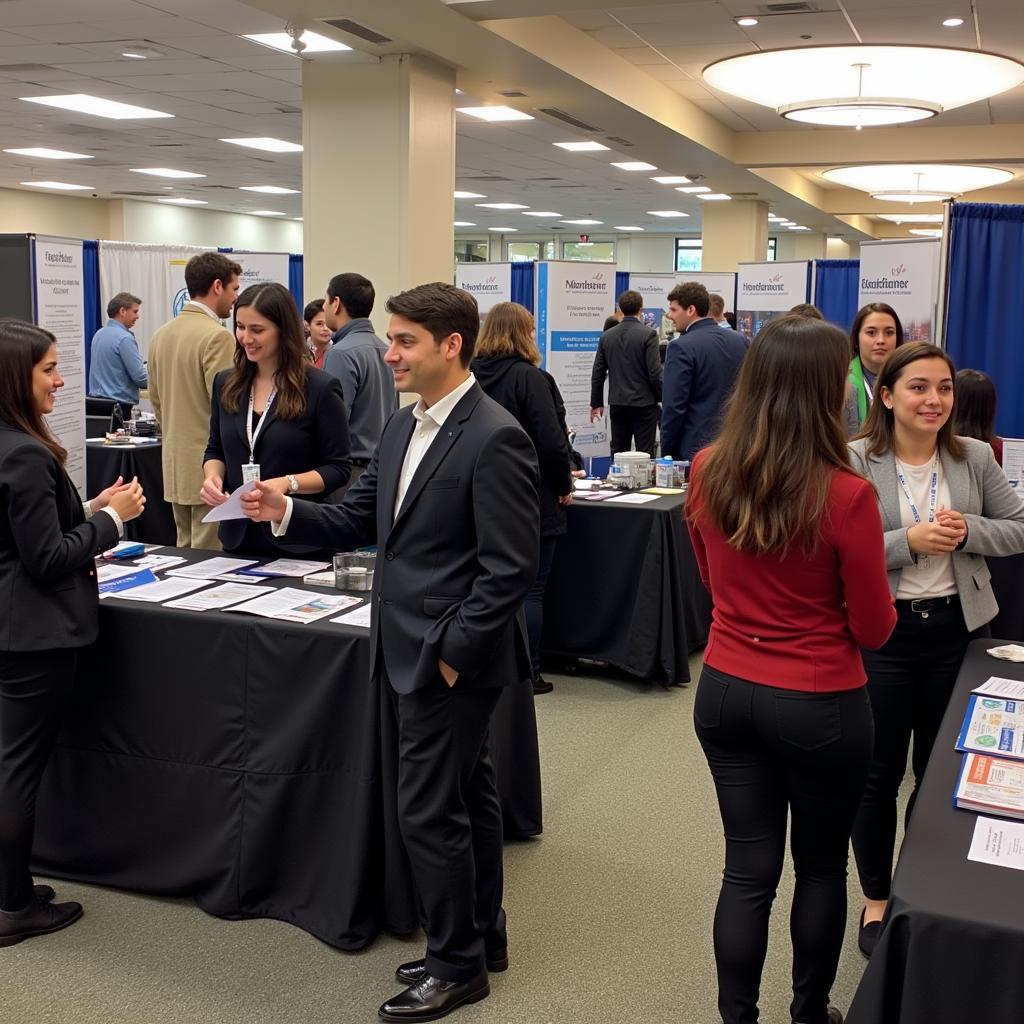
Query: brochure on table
x=655, y=288
x=488, y=283
x=992, y=785
x=767, y=290
x=1000, y=843
x=905, y=274
x=993, y=725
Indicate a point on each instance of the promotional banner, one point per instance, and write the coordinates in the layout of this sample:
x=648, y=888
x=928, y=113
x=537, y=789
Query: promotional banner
x=655, y=288
x=572, y=301
x=766, y=290
x=488, y=283
x=258, y=267
x=905, y=274
x=60, y=308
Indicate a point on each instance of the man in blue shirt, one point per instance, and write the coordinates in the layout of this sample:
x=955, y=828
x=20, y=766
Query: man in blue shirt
x=116, y=369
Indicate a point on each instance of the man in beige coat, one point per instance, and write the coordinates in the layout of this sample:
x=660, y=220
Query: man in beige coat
x=184, y=357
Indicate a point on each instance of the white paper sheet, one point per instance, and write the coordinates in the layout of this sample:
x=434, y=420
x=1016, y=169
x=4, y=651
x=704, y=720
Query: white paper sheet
x=212, y=568
x=998, y=842
x=106, y=573
x=163, y=590
x=289, y=567
x=1013, y=458
x=232, y=508
x=632, y=499
x=357, y=617
x=1011, y=689
x=158, y=562
x=291, y=605
x=222, y=596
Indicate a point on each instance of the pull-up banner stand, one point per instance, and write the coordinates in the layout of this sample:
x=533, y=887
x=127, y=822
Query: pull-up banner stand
x=488, y=283
x=655, y=288
x=905, y=274
x=767, y=290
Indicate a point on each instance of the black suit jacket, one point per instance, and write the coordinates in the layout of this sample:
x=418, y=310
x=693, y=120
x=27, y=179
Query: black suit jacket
x=628, y=356
x=316, y=440
x=48, y=593
x=455, y=564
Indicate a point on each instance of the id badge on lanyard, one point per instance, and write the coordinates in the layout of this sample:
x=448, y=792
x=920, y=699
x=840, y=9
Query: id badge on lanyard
x=251, y=469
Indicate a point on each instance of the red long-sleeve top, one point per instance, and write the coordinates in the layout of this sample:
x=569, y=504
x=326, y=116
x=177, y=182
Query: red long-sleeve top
x=797, y=622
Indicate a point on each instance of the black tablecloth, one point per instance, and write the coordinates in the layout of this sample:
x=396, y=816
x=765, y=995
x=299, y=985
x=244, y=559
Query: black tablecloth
x=105, y=463
x=625, y=589
x=953, y=940
x=250, y=764
x=1008, y=584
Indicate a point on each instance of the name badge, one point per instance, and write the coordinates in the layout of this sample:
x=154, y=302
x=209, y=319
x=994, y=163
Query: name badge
x=250, y=472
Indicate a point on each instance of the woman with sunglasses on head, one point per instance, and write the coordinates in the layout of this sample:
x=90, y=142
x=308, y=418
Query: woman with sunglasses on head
x=876, y=332
x=49, y=606
x=945, y=504
x=788, y=541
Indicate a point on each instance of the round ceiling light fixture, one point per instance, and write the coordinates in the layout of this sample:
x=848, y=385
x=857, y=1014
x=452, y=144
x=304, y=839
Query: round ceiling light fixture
x=917, y=183
x=864, y=86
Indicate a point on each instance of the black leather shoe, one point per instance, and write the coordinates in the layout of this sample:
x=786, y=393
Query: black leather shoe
x=431, y=998
x=39, y=918
x=833, y=1015
x=541, y=685
x=867, y=937
x=412, y=973
x=43, y=892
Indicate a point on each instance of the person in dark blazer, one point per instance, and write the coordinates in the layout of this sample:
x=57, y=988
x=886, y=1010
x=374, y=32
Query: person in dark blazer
x=49, y=539
x=627, y=356
x=450, y=498
x=275, y=411
x=505, y=365
x=701, y=366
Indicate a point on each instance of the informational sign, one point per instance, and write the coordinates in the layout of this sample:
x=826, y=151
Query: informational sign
x=60, y=308
x=767, y=290
x=260, y=267
x=904, y=273
x=488, y=283
x=572, y=301
x=655, y=288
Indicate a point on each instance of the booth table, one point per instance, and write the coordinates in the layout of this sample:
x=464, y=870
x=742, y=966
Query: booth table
x=625, y=589
x=250, y=764
x=105, y=463
x=1008, y=586
x=953, y=940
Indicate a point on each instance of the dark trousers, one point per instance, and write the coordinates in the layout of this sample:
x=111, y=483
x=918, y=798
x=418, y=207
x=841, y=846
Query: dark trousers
x=631, y=422
x=909, y=683
x=35, y=690
x=450, y=817
x=775, y=753
x=534, y=604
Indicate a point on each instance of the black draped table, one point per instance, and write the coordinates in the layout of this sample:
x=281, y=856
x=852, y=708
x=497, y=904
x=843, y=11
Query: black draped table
x=1008, y=585
x=105, y=463
x=251, y=764
x=625, y=589
x=953, y=940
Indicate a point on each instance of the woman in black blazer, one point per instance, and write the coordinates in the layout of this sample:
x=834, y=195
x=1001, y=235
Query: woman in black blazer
x=49, y=539
x=276, y=412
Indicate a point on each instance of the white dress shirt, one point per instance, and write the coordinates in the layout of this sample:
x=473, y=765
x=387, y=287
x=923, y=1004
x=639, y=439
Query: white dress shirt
x=204, y=308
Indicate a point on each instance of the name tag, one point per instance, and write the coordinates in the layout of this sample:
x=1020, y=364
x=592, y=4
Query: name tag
x=250, y=472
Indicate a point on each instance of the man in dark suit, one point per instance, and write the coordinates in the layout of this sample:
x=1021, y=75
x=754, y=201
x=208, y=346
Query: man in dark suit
x=627, y=355
x=701, y=367
x=450, y=499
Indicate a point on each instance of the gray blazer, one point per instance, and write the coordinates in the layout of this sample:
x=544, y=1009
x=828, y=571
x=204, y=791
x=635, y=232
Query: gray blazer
x=979, y=490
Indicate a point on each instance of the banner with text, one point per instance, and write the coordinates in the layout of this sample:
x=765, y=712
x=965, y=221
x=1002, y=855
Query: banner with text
x=572, y=302
x=655, y=288
x=60, y=308
x=258, y=267
x=767, y=290
x=905, y=274
x=488, y=283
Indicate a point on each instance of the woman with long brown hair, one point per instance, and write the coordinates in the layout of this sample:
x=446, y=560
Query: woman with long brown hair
x=876, y=331
x=274, y=417
x=49, y=540
x=945, y=503
x=787, y=541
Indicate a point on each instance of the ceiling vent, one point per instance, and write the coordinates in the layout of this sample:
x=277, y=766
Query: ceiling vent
x=795, y=7
x=353, y=28
x=483, y=177
x=567, y=186
x=513, y=94
x=23, y=69
x=561, y=115
x=620, y=142
x=543, y=179
x=121, y=192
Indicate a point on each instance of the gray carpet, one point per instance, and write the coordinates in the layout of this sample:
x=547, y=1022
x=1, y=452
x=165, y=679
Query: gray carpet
x=609, y=912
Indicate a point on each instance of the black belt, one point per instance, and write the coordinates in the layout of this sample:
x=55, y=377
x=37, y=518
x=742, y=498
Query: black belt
x=361, y=462
x=924, y=605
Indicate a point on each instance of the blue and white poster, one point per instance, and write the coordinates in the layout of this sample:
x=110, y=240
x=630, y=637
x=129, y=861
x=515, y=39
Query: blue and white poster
x=488, y=283
x=905, y=274
x=767, y=290
x=655, y=288
x=572, y=301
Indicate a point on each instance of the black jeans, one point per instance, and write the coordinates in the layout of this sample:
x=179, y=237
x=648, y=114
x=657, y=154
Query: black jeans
x=774, y=753
x=633, y=421
x=909, y=683
x=534, y=604
x=35, y=690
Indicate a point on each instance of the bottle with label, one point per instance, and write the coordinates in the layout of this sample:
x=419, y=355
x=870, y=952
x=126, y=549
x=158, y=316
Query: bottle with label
x=664, y=473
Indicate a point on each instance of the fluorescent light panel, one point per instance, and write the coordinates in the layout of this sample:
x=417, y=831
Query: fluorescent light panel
x=540, y=213
x=175, y=201
x=465, y=224
x=503, y=229
x=80, y=103
x=42, y=153
x=165, y=172
x=714, y=196
x=622, y=227
x=268, y=145
x=584, y=221
x=634, y=165
x=672, y=179
x=315, y=43
x=666, y=213
x=59, y=186
x=581, y=147
x=495, y=113
x=502, y=206
x=468, y=195
x=266, y=213
x=270, y=190
x=693, y=190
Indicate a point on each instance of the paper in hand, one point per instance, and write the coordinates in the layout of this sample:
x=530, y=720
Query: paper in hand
x=232, y=508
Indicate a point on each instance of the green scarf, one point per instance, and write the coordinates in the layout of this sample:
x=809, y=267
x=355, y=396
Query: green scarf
x=857, y=383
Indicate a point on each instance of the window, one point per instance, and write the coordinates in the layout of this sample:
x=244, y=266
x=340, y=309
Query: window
x=523, y=252
x=600, y=252
x=471, y=250
x=773, y=248
x=689, y=253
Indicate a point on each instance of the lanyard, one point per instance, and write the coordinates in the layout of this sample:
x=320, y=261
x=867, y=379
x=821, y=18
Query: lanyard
x=251, y=437
x=867, y=388
x=933, y=492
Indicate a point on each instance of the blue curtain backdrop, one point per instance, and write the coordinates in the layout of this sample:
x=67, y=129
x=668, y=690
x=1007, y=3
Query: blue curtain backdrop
x=295, y=280
x=621, y=282
x=91, y=290
x=522, y=284
x=986, y=301
x=837, y=284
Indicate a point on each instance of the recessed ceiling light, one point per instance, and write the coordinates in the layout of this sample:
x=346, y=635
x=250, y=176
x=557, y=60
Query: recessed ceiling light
x=83, y=104
x=786, y=223
x=952, y=22
x=798, y=227
x=622, y=227
x=714, y=196
x=270, y=190
x=134, y=56
x=666, y=213
x=465, y=224
x=580, y=147
x=496, y=113
x=60, y=186
x=468, y=195
x=175, y=201
x=42, y=153
x=927, y=232
x=912, y=218
x=584, y=221
x=165, y=172
x=141, y=52
x=502, y=206
x=634, y=165
x=746, y=22
x=267, y=145
x=266, y=213
x=693, y=190
x=503, y=229
x=775, y=216
x=540, y=213
x=314, y=42
x=672, y=179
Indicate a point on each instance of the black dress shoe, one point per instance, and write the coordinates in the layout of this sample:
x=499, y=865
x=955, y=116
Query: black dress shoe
x=38, y=918
x=412, y=973
x=867, y=938
x=431, y=998
x=833, y=1015
x=541, y=685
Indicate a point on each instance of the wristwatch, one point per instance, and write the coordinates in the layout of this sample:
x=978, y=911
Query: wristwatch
x=293, y=484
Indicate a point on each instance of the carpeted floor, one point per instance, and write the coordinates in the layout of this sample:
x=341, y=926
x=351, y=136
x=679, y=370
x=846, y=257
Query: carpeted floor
x=609, y=911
